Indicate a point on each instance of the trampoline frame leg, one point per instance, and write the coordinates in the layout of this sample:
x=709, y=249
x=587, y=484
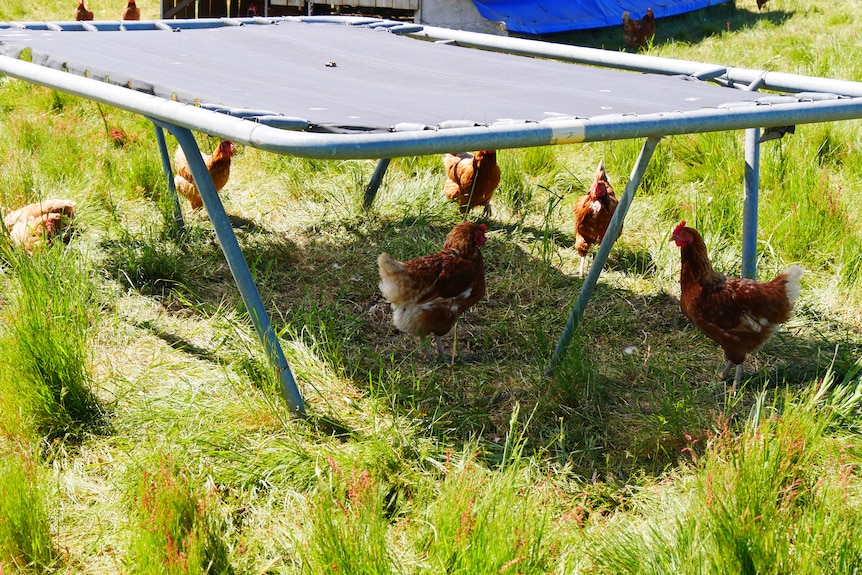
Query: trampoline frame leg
x=238, y=266
x=603, y=253
x=376, y=180
x=750, y=203
x=166, y=166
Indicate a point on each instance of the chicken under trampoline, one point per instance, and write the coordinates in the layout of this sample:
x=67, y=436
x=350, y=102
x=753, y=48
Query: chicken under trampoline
x=366, y=88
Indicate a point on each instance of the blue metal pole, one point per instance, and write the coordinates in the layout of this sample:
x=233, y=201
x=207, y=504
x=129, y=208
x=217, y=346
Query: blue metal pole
x=750, y=203
x=238, y=267
x=166, y=166
x=376, y=180
x=603, y=253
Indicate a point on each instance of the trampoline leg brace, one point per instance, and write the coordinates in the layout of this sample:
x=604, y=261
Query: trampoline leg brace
x=166, y=166
x=238, y=267
x=603, y=253
x=749, y=205
x=376, y=180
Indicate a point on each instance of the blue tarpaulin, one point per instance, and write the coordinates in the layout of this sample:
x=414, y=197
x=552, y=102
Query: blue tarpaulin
x=551, y=16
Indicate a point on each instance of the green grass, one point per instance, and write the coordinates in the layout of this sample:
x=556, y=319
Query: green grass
x=47, y=386
x=26, y=538
x=141, y=427
x=175, y=530
x=756, y=501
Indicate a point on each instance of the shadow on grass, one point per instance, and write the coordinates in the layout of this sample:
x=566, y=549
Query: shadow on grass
x=180, y=343
x=628, y=260
x=154, y=262
x=636, y=387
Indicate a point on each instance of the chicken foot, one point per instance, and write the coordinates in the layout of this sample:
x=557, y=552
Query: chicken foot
x=441, y=353
x=440, y=349
x=583, y=266
x=736, y=378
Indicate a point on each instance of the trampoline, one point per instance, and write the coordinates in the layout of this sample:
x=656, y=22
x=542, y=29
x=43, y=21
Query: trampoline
x=346, y=87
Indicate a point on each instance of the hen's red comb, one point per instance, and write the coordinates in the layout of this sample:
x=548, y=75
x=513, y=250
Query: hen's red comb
x=679, y=227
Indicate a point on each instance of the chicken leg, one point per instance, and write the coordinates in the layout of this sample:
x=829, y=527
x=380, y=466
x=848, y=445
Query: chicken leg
x=428, y=353
x=736, y=378
x=583, y=267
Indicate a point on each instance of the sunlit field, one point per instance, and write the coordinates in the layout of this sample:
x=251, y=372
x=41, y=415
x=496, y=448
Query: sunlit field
x=141, y=426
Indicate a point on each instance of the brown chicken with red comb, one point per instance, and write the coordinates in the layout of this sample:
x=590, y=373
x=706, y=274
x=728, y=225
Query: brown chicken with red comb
x=218, y=166
x=131, y=11
x=82, y=13
x=593, y=212
x=738, y=314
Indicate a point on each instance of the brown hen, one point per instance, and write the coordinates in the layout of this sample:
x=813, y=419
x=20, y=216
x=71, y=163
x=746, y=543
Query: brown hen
x=38, y=224
x=593, y=212
x=82, y=13
x=738, y=314
x=218, y=166
x=429, y=293
x=638, y=32
x=471, y=179
x=131, y=11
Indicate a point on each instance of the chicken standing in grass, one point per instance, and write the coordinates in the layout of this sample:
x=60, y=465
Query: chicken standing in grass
x=638, y=32
x=82, y=13
x=471, y=179
x=593, y=212
x=218, y=166
x=428, y=294
x=737, y=313
x=39, y=224
x=131, y=11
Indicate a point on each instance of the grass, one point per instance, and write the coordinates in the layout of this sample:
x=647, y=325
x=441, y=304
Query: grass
x=47, y=386
x=174, y=531
x=754, y=503
x=141, y=428
x=26, y=540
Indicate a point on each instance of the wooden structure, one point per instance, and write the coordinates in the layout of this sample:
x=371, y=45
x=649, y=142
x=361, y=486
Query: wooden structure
x=188, y=9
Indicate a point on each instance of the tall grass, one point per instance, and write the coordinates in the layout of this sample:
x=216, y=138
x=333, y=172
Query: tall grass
x=174, y=530
x=483, y=525
x=349, y=529
x=150, y=260
x=522, y=174
x=803, y=187
x=46, y=386
x=780, y=497
x=631, y=461
x=26, y=542
x=473, y=522
x=486, y=523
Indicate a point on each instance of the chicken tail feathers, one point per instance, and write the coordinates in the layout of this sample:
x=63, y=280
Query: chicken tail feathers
x=388, y=264
x=791, y=282
x=390, y=270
